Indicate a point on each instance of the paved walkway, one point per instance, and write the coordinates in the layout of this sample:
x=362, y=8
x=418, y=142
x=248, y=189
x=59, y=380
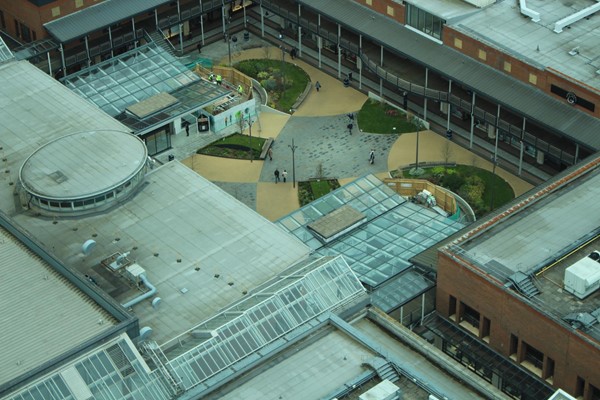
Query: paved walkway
x=324, y=147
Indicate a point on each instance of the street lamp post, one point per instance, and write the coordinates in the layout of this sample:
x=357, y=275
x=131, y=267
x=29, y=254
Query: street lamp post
x=282, y=70
x=494, y=163
x=293, y=147
x=416, y=170
x=250, y=133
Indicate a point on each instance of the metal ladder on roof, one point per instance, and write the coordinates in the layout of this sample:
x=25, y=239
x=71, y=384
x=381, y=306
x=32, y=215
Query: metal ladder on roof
x=152, y=350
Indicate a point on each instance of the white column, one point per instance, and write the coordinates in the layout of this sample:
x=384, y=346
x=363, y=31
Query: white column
x=425, y=101
x=380, y=78
x=497, y=135
x=201, y=22
x=449, y=105
x=319, y=39
x=521, y=148
x=339, y=51
x=180, y=27
x=262, y=21
x=472, y=120
x=359, y=62
x=299, y=31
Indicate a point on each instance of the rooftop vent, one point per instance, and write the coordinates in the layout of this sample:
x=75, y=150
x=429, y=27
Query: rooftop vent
x=574, y=51
x=583, y=277
x=582, y=320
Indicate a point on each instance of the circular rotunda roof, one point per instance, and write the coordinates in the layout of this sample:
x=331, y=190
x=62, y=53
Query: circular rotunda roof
x=83, y=165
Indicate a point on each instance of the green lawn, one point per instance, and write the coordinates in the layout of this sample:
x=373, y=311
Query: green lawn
x=283, y=89
x=378, y=117
x=234, y=146
x=309, y=191
x=453, y=178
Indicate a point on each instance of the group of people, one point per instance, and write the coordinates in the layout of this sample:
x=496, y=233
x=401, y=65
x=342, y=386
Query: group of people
x=283, y=175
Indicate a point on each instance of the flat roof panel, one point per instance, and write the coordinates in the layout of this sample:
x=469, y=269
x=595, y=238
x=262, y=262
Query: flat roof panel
x=43, y=315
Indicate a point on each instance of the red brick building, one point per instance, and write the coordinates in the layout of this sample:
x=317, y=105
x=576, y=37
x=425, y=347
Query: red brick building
x=525, y=281
x=24, y=19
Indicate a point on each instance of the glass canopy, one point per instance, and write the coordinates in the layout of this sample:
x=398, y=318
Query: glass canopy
x=264, y=317
x=139, y=74
x=114, y=372
x=5, y=53
x=379, y=249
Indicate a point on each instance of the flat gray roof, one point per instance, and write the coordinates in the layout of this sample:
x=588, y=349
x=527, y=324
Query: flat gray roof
x=178, y=222
x=98, y=16
x=539, y=232
x=83, y=164
x=509, y=92
x=502, y=26
x=35, y=110
x=541, y=227
x=43, y=315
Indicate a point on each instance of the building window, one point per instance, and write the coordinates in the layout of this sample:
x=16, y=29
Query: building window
x=78, y=3
x=55, y=11
x=548, y=371
x=507, y=66
x=390, y=11
x=533, y=359
x=424, y=21
x=457, y=43
x=452, y=307
x=485, y=329
x=482, y=54
x=594, y=392
x=513, y=346
x=579, y=386
x=533, y=79
x=25, y=33
x=2, y=22
x=17, y=30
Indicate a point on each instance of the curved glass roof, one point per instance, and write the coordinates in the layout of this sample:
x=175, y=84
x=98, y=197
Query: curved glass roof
x=263, y=318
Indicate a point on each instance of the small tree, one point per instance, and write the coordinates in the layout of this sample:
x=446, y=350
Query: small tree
x=266, y=51
x=319, y=172
x=446, y=151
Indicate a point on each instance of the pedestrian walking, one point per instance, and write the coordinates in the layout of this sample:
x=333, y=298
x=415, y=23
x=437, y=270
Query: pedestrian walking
x=351, y=117
x=199, y=47
x=350, y=76
x=187, y=129
x=284, y=176
x=270, y=153
x=372, y=156
x=350, y=126
x=318, y=86
x=276, y=175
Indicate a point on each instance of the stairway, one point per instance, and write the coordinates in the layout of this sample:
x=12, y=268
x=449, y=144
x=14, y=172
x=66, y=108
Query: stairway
x=385, y=369
x=158, y=38
x=524, y=284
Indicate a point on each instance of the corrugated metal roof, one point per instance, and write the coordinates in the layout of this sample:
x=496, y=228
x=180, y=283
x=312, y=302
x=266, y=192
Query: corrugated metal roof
x=510, y=93
x=43, y=315
x=99, y=16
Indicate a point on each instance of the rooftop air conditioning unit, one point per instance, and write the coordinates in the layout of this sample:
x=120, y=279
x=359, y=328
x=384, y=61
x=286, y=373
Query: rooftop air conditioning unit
x=133, y=273
x=583, y=277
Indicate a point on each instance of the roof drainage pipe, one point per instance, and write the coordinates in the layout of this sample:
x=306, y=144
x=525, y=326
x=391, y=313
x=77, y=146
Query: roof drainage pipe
x=143, y=296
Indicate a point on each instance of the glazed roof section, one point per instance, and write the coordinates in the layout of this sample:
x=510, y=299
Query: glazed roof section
x=5, y=53
x=511, y=93
x=140, y=74
x=115, y=370
x=380, y=248
x=263, y=318
x=98, y=16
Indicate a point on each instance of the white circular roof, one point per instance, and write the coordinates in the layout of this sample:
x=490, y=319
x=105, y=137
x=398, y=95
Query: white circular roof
x=83, y=164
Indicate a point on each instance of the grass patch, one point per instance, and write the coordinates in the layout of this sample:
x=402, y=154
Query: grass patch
x=284, y=82
x=234, y=146
x=463, y=179
x=309, y=191
x=380, y=117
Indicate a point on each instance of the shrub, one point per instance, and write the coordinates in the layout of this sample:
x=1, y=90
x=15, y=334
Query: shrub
x=452, y=180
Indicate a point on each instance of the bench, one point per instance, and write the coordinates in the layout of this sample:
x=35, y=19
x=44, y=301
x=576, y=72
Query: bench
x=266, y=146
x=302, y=97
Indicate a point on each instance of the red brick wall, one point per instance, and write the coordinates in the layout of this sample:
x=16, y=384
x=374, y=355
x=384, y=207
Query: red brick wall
x=521, y=70
x=381, y=6
x=572, y=355
x=35, y=17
